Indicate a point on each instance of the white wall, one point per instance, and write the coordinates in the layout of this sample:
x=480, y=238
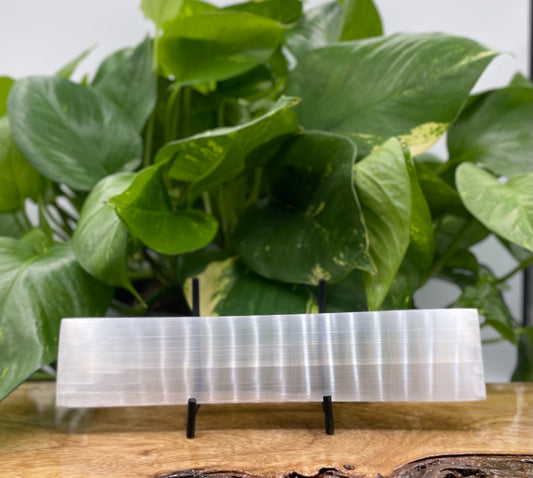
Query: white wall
x=39, y=37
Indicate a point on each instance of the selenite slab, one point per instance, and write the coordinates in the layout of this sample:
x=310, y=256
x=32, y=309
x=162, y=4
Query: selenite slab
x=410, y=355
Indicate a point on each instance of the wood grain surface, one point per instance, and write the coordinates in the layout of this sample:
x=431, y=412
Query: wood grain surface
x=492, y=438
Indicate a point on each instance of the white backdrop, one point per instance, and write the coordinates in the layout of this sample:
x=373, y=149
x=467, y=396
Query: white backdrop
x=39, y=37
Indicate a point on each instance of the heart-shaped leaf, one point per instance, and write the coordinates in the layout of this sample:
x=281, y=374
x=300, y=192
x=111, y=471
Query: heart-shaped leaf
x=311, y=228
x=161, y=11
x=195, y=7
x=440, y=196
x=419, y=254
x=18, y=179
x=146, y=210
x=520, y=81
x=360, y=20
x=461, y=268
x=67, y=70
x=486, y=297
x=100, y=240
x=202, y=48
x=11, y=224
x=519, y=253
x=5, y=85
x=213, y=157
x=229, y=288
x=524, y=366
x=348, y=295
x=283, y=11
x=69, y=133
x=495, y=130
x=317, y=28
x=262, y=82
x=36, y=292
x=457, y=231
x=505, y=209
x=332, y=22
x=127, y=79
x=406, y=85
x=384, y=188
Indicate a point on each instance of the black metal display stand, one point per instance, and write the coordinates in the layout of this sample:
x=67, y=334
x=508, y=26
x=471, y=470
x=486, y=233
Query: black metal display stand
x=193, y=405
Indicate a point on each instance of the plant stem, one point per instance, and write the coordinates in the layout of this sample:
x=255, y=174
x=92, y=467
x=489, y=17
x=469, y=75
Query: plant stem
x=149, y=132
x=157, y=295
x=206, y=199
x=148, y=141
x=159, y=273
x=256, y=187
x=186, y=110
x=223, y=216
x=518, y=268
x=437, y=265
x=172, y=115
x=128, y=311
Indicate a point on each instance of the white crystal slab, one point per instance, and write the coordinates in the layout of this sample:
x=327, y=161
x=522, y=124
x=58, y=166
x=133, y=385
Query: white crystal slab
x=410, y=355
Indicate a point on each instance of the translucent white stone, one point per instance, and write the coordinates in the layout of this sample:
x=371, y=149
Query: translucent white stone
x=408, y=355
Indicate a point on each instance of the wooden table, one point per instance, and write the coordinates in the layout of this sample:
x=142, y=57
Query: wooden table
x=492, y=438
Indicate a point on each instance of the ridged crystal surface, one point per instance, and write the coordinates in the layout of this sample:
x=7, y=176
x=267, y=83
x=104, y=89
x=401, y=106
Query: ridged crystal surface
x=409, y=355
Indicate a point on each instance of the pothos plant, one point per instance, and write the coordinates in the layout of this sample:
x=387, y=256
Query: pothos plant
x=260, y=149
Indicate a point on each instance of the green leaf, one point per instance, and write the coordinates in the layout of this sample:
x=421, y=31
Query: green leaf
x=229, y=288
x=5, y=85
x=441, y=197
x=360, y=20
x=18, y=179
x=316, y=29
x=332, y=22
x=146, y=211
x=421, y=248
x=70, y=67
x=495, y=130
x=195, y=7
x=283, y=11
x=348, y=295
x=524, y=366
x=202, y=48
x=457, y=231
x=39, y=239
x=406, y=85
x=311, y=228
x=127, y=79
x=100, y=240
x=505, y=209
x=11, y=224
x=519, y=253
x=216, y=156
x=262, y=82
x=161, y=11
x=461, y=268
x=382, y=182
x=520, y=81
x=192, y=264
x=486, y=297
x=69, y=133
x=36, y=292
